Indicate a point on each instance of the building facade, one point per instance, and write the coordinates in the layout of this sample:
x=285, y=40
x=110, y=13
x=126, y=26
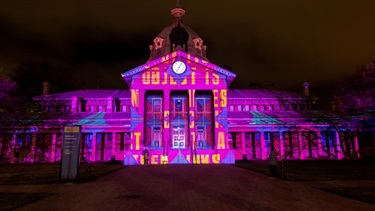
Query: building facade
x=179, y=109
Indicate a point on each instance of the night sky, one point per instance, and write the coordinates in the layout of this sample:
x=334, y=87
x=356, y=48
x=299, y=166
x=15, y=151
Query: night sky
x=284, y=42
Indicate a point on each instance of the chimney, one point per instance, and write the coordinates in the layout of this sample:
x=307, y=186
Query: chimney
x=46, y=87
x=306, y=91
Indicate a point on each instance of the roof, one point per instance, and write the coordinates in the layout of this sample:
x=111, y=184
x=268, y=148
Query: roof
x=89, y=93
x=232, y=94
x=262, y=93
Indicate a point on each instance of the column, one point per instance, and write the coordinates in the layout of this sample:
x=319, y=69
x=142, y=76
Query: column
x=33, y=144
x=166, y=127
x=300, y=149
x=263, y=155
x=113, y=144
x=338, y=146
x=243, y=143
x=93, y=147
x=281, y=143
x=319, y=140
x=356, y=147
x=14, y=146
x=53, y=153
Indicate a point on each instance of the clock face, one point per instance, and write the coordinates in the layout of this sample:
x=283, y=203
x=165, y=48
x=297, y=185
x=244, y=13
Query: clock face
x=179, y=67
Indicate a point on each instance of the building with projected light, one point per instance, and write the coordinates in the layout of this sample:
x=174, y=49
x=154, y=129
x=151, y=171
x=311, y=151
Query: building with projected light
x=180, y=109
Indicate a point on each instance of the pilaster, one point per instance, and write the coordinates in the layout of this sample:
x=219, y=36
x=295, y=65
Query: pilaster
x=109, y=104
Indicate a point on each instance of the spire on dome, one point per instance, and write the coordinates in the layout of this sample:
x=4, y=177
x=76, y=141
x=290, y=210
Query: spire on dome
x=177, y=36
x=178, y=4
x=177, y=12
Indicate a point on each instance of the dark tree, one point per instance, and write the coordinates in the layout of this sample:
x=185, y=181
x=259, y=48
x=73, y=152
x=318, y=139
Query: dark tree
x=30, y=76
x=357, y=94
x=354, y=105
x=7, y=87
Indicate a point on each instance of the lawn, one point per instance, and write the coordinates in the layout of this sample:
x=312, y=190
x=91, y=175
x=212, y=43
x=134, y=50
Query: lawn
x=48, y=173
x=41, y=173
x=325, y=170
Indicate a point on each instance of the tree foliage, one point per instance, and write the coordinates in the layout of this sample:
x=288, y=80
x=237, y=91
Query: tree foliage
x=357, y=94
x=30, y=76
x=7, y=87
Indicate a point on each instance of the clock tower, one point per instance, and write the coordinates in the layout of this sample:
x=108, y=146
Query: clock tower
x=179, y=101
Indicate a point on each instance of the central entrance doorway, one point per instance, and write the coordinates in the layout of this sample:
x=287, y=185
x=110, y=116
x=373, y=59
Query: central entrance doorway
x=178, y=138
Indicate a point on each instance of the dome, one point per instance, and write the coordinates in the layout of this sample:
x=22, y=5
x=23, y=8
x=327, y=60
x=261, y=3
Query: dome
x=177, y=36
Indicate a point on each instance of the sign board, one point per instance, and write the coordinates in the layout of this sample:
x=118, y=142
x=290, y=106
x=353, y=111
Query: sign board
x=70, y=152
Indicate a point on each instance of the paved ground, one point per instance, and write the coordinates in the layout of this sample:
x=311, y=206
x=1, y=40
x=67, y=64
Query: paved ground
x=186, y=187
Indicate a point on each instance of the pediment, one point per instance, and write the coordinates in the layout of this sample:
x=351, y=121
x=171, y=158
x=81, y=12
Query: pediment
x=163, y=63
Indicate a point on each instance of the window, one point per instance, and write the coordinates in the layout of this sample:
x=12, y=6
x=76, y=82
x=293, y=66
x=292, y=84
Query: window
x=264, y=107
x=267, y=136
x=200, y=136
x=247, y=135
x=247, y=107
x=156, y=137
x=231, y=108
x=270, y=107
x=255, y=107
x=156, y=105
x=239, y=108
x=178, y=105
x=302, y=107
x=117, y=106
x=200, y=103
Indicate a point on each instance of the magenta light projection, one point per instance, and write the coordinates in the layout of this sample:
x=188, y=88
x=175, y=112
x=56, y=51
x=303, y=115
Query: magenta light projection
x=179, y=111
